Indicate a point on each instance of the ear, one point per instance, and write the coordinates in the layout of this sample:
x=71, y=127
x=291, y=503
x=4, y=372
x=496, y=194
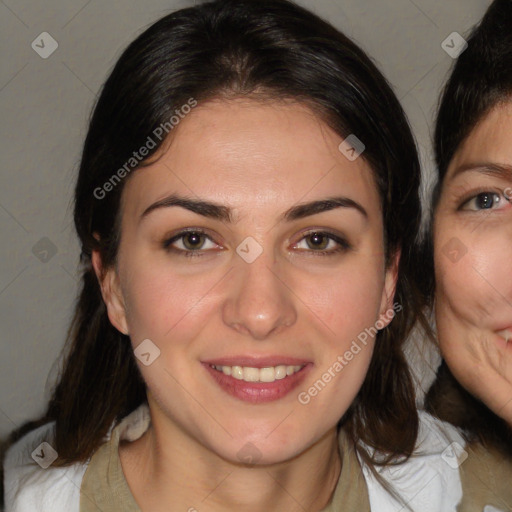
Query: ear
x=111, y=292
x=388, y=293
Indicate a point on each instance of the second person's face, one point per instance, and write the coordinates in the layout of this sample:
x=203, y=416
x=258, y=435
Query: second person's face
x=473, y=259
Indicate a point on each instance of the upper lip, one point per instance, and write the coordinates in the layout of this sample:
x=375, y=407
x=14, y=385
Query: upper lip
x=256, y=362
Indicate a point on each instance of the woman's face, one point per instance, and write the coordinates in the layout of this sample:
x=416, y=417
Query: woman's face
x=273, y=259
x=473, y=259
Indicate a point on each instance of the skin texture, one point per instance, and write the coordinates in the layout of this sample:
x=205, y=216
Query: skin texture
x=260, y=159
x=473, y=259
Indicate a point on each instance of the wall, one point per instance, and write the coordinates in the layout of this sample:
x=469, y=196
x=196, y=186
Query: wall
x=44, y=107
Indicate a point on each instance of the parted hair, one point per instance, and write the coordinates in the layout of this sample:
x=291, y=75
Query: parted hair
x=270, y=50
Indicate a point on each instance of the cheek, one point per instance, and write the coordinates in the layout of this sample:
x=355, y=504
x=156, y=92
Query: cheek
x=351, y=301
x=493, y=266
x=159, y=303
x=180, y=306
x=474, y=283
x=164, y=305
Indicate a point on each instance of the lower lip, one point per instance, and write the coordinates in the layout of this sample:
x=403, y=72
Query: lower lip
x=258, y=392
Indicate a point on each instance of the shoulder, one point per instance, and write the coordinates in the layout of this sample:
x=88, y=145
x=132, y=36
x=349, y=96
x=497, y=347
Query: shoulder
x=429, y=480
x=32, y=483
x=486, y=478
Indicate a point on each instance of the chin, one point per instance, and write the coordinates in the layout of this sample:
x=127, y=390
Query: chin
x=254, y=452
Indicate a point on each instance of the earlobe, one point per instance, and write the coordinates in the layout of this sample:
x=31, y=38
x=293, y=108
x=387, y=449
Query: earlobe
x=388, y=293
x=108, y=280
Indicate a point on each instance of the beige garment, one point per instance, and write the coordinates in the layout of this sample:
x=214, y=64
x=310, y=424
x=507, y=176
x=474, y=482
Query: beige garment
x=104, y=487
x=486, y=478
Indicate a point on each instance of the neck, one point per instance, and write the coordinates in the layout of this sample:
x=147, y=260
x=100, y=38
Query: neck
x=168, y=467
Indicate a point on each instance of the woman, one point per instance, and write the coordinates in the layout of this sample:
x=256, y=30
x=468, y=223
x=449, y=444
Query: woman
x=473, y=255
x=246, y=204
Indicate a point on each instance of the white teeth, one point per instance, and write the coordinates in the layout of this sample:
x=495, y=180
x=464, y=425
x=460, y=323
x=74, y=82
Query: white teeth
x=237, y=372
x=506, y=333
x=250, y=374
x=292, y=369
x=280, y=372
x=267, y=375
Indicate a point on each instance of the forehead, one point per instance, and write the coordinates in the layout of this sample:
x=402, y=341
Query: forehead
x=490, y=140
x=252, y=154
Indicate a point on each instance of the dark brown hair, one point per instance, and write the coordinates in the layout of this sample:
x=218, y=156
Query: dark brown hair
x=272, y=50
x=480, y=80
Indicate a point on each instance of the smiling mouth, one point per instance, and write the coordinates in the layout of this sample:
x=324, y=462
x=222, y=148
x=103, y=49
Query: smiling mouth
x=251, y=374
x=506, y=334
x=260, y=383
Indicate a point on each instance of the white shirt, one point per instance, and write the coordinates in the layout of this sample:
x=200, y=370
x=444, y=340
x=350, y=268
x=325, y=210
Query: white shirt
x=428, y=482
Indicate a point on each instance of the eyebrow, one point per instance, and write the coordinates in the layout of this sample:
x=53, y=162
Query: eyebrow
x=503, y=171
x=223, y=213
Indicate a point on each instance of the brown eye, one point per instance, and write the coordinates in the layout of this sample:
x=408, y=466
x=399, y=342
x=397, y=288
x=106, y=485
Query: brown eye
x=193, y=240
x=190, y=243
x=317, y=241
x=322, y=243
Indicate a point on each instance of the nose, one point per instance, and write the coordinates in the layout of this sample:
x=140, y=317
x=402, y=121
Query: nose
x=259, y=302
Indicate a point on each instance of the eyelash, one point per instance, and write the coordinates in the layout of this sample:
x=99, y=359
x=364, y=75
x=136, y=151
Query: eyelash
x=343, y=245
x=469, y=196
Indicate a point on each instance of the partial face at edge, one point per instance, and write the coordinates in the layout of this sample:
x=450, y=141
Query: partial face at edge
x=301, y=302
x=473, y=260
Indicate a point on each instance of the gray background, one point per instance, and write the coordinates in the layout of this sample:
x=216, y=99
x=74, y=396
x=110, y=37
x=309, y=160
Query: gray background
x=44, y=108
